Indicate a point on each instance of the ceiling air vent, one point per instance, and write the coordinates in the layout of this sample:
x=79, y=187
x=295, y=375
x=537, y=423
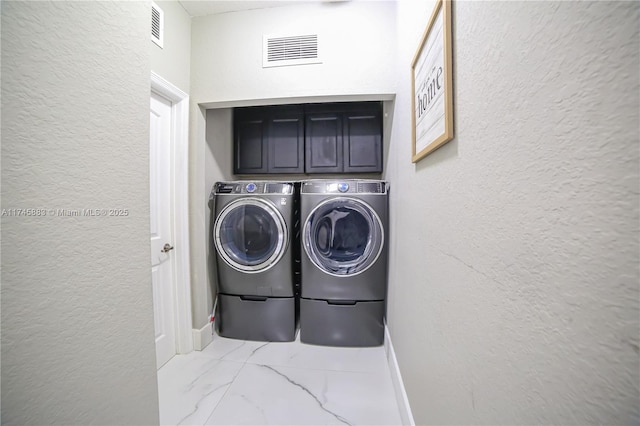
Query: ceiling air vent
x=290, y=50
x=157, y=24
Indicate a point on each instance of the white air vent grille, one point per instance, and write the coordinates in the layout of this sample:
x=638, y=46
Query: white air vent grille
x=157, y=24
x=290, y=50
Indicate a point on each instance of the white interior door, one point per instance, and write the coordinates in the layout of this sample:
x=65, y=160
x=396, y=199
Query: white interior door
x=160, y=225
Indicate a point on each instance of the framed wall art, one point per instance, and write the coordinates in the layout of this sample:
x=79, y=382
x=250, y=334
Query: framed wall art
x=431, y=84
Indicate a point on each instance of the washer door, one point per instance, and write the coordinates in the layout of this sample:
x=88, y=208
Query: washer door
x=343, y=236
x=250, y=235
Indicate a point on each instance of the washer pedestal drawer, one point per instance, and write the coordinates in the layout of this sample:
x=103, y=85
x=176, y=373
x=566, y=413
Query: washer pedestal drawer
x=265, y=319
x=354, y=324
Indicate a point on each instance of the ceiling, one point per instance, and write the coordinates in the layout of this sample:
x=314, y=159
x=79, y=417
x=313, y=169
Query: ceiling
x=207, y=7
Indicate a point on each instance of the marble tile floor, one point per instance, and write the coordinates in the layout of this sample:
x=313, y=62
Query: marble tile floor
x=237, y=382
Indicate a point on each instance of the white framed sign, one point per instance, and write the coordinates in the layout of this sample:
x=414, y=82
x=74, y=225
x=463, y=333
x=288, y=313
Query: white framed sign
x=431, y=84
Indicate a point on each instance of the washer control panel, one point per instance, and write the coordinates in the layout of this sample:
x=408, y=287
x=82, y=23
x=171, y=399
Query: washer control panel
x=253, y=188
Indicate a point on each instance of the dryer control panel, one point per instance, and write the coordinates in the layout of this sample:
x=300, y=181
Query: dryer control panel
x=321, y=186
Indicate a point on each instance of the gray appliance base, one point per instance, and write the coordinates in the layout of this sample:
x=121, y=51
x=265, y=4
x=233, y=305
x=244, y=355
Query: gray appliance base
x=359, y=324
x=265, y=319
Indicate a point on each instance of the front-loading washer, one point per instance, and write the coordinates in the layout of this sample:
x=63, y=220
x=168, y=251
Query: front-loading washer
x=343, y=262
x=252, y=236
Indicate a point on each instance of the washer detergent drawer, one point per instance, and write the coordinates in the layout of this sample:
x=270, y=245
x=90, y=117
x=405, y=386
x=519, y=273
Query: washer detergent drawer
x=354, y=324
x=265, y=319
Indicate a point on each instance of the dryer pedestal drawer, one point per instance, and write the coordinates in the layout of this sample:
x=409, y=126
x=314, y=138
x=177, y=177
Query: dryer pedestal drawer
x=266, y=319
x=356, y=324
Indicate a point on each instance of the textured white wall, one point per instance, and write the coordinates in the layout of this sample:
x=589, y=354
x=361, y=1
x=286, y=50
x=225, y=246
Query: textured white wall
x=77, y=318
x=358, y=39
x=201, y=292
x=218, y=166
x=173, y=60
x=514, y=279
x=355, y=39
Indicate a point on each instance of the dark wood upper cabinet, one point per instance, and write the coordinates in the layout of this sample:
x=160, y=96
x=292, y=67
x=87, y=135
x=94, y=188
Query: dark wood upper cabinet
x=311, y=138
x=363, y=141
x=285, y=136
x=250, y=142
x=323, y=142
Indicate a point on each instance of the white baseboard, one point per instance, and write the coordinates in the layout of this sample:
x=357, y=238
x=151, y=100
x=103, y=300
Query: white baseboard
x=398, y=384
x=202, y=337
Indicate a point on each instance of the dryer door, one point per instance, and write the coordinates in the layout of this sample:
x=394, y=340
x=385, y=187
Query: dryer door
x=250, y=235
x=343, y=236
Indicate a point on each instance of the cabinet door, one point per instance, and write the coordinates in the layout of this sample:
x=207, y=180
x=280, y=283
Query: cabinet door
x=249, y=147
x=363, y=141
x=286, y=140
x=323, y=142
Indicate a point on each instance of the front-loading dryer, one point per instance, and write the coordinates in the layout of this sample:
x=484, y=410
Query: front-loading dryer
x=252, y=235
x=343, y=262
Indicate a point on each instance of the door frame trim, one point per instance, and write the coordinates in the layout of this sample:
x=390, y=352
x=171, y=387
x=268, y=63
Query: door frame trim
x=180, y=208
